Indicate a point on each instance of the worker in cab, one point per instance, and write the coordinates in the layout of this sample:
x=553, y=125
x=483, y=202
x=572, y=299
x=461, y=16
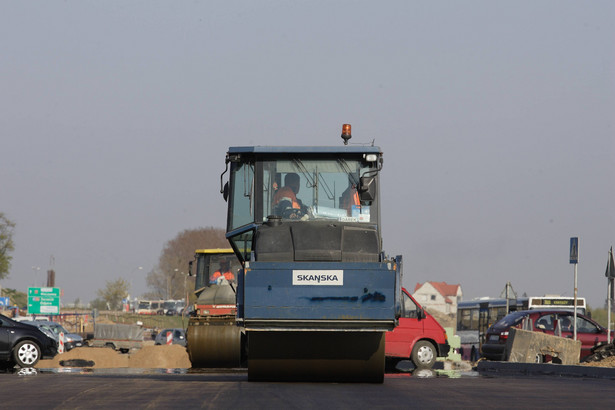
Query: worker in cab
x=223, y=273
x=350, y=196
x=289, y=191
x=285, y=200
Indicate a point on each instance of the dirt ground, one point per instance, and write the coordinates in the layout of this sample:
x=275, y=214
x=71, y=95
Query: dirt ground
x=149, y=357
x=154, y=357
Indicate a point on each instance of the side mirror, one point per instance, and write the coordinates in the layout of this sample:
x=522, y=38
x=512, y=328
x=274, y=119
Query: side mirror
x=421, y=313
x=190, y=268
x=225, y=192
x=367, y=189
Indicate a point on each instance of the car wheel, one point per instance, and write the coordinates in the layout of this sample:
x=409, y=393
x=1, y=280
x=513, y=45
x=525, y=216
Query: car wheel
x=423, y=355
x=26, y=353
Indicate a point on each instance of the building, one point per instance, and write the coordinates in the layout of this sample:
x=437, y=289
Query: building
x=438, y=296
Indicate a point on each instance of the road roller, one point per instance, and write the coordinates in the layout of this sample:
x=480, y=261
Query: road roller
x=213, y=337
x=316, y=292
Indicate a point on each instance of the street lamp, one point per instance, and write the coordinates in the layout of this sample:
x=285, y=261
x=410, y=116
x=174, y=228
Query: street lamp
x=169, y=282
x=131, y=274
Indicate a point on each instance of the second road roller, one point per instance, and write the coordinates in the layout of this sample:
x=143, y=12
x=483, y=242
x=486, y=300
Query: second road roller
x=214, y=339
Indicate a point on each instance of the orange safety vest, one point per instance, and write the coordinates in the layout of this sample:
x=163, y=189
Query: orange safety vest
x=286, y=193
x=227, y=275
x=348, y=200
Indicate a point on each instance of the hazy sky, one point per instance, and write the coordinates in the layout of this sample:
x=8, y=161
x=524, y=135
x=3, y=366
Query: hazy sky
x=496, y=120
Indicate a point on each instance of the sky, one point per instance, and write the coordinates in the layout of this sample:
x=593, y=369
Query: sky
x=496, y=120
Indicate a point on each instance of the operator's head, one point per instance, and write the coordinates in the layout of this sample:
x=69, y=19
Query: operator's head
x=292, y=180
x=224, y=264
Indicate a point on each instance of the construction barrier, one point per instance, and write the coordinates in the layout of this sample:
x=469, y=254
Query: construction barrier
x=61, y=343
x=524, y=346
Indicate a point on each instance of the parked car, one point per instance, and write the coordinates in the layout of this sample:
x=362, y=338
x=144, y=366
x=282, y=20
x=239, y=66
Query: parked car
x=71, y=340
x=418, y=337
x=187, y=311
x=546, y=321
x=179, y=337
x=24, y=345
x=174, y=308
x=43, y=328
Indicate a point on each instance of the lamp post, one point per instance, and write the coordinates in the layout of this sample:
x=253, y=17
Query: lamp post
x=131, y=274
x=185, y=292
x=169, y=282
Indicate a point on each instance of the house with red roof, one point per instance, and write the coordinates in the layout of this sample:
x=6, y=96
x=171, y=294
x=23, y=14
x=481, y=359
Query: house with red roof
x=438, y=296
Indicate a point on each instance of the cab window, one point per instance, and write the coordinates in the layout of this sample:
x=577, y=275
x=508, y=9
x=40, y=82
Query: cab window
x=410, y=309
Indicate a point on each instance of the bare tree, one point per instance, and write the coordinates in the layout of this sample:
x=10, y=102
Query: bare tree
x=6, y=245
x=169, y=279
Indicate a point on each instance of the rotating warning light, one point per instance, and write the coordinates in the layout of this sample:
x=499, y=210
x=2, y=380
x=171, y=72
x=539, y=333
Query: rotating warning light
x=346, y=133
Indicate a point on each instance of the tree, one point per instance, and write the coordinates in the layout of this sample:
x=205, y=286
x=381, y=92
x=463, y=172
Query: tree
x=113, y=294
x=98, y=304
x=6, y=245
x=16, y=298
x=168, y=278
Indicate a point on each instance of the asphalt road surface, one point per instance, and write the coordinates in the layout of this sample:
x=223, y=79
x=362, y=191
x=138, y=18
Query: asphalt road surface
x=233, y=391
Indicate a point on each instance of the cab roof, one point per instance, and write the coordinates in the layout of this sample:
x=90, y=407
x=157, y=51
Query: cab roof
x=216, y=250
x=349, y=149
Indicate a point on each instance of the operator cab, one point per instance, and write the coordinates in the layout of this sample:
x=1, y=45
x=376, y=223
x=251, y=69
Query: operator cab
x=304, y=203
x=217, y=267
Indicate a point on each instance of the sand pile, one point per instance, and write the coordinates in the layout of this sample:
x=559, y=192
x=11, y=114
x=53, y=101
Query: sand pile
x=149, y=357
x=160, y=357
x=607, y=362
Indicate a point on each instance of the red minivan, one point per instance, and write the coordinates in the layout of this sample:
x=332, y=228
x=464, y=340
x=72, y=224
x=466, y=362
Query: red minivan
x=418, y=337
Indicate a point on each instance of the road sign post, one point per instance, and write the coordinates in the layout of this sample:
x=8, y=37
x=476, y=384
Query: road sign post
x=574, y=259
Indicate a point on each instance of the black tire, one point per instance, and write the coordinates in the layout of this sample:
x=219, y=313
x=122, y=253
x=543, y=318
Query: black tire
x=26, y=353
x=390, y=365
x=424, y=355
x=473, y=354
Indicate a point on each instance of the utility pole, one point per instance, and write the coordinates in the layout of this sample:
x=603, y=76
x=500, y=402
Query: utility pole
x=610, y=274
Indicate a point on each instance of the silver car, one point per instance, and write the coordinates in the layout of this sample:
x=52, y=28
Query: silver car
x=178, y=337
x=71, y=340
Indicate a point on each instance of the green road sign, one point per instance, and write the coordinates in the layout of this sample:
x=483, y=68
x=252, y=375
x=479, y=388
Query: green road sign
x=43, y=301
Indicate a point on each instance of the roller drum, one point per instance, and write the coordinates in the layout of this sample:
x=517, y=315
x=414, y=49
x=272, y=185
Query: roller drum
x=214, y=344
x=316, y=356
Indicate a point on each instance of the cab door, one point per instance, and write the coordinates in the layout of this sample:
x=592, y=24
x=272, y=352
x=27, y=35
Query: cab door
x=399, y=342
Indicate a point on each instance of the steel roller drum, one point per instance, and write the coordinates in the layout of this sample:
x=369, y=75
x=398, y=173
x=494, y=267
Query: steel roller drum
x=316, y=356
x=214, y=344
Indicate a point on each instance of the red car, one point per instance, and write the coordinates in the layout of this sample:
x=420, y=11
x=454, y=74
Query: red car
x=589, y=332
x=418, y=337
